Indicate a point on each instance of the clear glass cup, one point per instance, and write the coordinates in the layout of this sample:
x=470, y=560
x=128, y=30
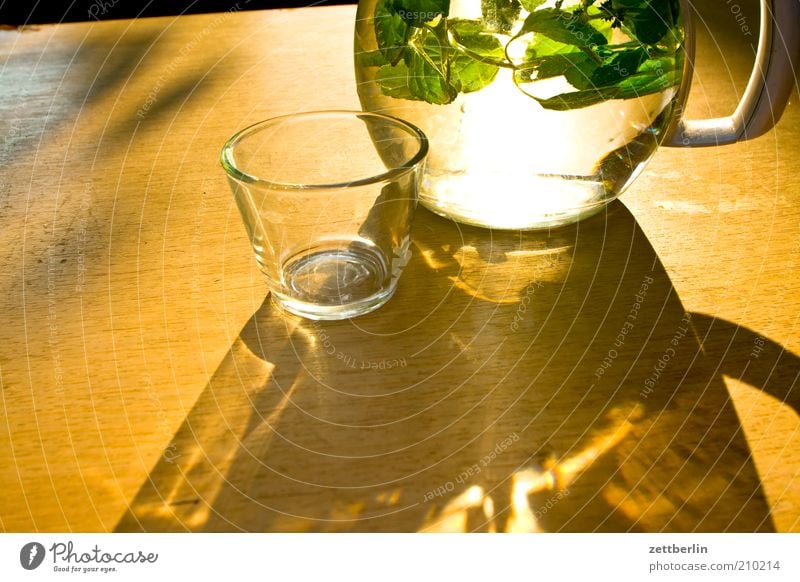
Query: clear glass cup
x=327, y=199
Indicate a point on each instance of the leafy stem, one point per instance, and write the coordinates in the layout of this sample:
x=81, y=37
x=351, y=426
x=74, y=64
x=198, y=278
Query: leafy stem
x=424, y=54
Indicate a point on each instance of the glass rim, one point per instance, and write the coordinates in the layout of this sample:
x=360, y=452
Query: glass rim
x=228, y=164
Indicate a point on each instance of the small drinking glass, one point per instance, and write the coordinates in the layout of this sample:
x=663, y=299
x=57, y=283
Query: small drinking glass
x=327, y=199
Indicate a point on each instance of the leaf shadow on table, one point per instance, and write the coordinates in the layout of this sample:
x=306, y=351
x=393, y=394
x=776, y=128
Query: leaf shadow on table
x=123, y=88
x=105, y=70
x=516, y=382
x=97, y=66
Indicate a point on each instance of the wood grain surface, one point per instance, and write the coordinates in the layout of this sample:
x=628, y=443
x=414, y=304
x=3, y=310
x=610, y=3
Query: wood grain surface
x=148, y=384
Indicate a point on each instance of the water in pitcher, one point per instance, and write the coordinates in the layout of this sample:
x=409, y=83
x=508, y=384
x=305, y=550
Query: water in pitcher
x=508, y=163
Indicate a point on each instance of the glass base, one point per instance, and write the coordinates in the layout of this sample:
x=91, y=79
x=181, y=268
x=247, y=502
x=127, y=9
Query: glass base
x=332, y=312
x=537, y=222
x=492, y=199
x=335, y=279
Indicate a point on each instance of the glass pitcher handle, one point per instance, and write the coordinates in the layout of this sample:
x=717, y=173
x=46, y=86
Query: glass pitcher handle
x=768, y=90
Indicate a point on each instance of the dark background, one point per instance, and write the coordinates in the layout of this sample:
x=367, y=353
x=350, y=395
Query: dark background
x=16, y=12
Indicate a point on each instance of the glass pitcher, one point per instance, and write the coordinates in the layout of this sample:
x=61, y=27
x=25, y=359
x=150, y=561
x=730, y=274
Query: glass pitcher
x=539, y=113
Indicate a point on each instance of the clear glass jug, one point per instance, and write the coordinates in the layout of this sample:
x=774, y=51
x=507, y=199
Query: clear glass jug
x=541, y=112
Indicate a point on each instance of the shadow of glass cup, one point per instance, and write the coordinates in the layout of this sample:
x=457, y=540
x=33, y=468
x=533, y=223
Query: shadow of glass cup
x=516, y=382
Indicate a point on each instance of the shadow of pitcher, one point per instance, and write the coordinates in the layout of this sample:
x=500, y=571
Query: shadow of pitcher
x=516, y=382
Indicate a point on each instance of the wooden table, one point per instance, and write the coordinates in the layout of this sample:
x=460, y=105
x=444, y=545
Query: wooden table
x=148, y=385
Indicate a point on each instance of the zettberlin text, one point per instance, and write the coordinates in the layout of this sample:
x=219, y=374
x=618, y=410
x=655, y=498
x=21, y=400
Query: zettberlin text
x=673, y=549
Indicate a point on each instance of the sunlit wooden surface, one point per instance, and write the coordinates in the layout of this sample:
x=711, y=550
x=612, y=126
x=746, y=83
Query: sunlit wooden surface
x=146, y=384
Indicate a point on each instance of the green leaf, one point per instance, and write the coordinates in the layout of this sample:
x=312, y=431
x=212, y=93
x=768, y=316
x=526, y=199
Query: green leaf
x=543, y=46
x=546, y=58
x=635, y=86
x=469, y=36
x=370, y=59
x=658, y=66
x=436, y=72
x=418, y=12
x=649, y=20
x=471, y=74
x=578, y=99
x=551, y=58
x=429, y=76
x=393, y=81
x=558, y=64
x=427, y=83
x=390, y=31
x=620, y=66
x=475, y=55
x=639, y=85
x=562, y=26
x=500, y=15
x=581, y=74
x=531, y=5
